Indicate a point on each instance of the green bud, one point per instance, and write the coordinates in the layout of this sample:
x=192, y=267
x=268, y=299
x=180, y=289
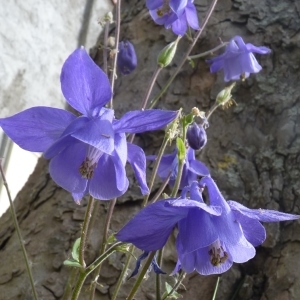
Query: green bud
x=167, y=54
x=224, y=97
x=181, y=149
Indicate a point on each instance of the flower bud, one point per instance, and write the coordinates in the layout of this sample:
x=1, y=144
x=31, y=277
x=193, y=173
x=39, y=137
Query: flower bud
x=127, y=60
x=196, y=136
x=167, y=54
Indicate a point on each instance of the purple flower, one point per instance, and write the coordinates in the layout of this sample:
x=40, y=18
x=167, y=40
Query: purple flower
x=127, y=60
x=87, y=153
x=234, y=234
x=160, y=218
x=191, y=170
x=210, y=237
x=238, y=60
x=196, y=136
x=177, y=14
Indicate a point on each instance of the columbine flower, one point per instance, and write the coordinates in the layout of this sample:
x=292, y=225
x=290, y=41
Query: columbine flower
x=196, y=136
x=238, y=60
x=177, y=14
x=88, y=153
x=210, y=237
x=191, y=170
x=160, y=218
x=127, y=60
x=235, y=233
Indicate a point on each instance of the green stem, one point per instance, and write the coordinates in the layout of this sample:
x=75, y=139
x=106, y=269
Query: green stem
x=185, y=57
x=161, y=189
x=155, y=168
x=157, y=279
x=216, y=288
x=180, y=167
x=16, y=224
x=104, y=241
x=209, y=52
x=123, y=274
x=86, y=272
x=70, y=283
x=84, y=232
x=117, y=39
x=211, y=111
x=141, y=276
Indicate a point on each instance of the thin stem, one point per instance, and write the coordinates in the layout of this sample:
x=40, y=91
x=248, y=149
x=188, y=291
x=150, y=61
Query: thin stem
x=141, y=276
x=178, y=178
x=86, y=272
x=150, y=87
x=161, y=189
x=157, y=277
x=123, y=274
x=84, y=231
x=16, y=224
x=208, y=15
x=106, y=29
x=155, y=168
x=117, y=38
x=209, y=52
x=69, y=285
x=216, y=288
x=147, y=95
x=104, y=241
x=214, y=107
x=176, y=286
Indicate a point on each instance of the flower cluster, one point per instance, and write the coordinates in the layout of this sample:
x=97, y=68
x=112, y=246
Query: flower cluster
x=87, y=153
x=210, y=237
x=175, y=14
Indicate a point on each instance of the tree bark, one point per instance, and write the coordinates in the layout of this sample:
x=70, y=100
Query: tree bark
x=252, y=152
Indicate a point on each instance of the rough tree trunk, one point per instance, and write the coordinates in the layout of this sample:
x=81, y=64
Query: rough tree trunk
x=252, y=153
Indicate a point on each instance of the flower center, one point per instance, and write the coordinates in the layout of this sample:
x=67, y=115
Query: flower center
x=165, y=9
x=217, y=254
x=89, y=164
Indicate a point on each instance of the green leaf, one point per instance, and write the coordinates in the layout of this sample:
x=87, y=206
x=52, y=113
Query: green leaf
x=111, y=239
x=181, y=149
x=174, y=295
x=192, y=63
x=75, y=250
x=72, y=263
x=168, y=287
x=188, y=119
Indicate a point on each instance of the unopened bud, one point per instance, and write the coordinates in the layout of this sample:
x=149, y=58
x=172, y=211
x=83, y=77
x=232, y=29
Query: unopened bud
x=127, y=60
x=167, y=54
x=196, y=136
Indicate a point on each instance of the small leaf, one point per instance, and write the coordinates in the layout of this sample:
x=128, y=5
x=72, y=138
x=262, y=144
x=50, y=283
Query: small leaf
x=72, y=263
x=192, y=63
x=75, y=250
x=111, y=239
x=168, y=287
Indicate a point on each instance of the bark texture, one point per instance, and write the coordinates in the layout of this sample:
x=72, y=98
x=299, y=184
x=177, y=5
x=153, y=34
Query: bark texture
x=252, y=152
